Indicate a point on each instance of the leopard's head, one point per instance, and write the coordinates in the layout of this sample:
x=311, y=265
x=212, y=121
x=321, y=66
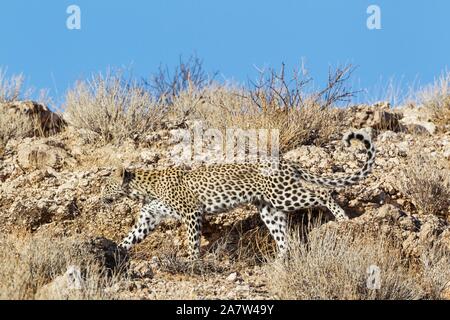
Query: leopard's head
x=115, y=186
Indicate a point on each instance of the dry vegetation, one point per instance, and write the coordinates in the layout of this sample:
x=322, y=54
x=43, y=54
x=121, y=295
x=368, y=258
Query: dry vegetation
x=112, y=108
x=436, y=98
x=14, y=125
x=11, y=125
x=335, y=266
x=10, y=87
x=426, y=182
x=29, y=263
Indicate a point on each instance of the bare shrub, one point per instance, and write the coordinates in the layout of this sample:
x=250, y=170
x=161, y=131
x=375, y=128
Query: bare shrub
x=436, y=98
x=304, y=114
x=112, y=108
x=276, y=89
x=27, y=264
x=188, y=75
x=426, y=184
x=335, y=266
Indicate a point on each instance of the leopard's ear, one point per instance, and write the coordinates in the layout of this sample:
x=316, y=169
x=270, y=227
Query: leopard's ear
x=123, y=174
x=127, y=175
x=119, y=173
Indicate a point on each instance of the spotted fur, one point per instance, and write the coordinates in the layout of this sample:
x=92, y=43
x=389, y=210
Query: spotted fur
x=276, y=189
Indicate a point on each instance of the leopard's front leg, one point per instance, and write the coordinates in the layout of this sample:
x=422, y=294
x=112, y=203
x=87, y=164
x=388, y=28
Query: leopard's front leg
x=151, y=215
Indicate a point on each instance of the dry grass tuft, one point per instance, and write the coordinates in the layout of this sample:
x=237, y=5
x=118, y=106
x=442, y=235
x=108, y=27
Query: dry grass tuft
x=286, y=103
x=436, y=98
x=27, y=265
x=10, y=88
x=14, y=123
x=112, y=108
x=435, y=270
x=335, y=266
x=171, y=259
x=426, y=184
x=11, y=125
x=15, y=126
x=230, y=108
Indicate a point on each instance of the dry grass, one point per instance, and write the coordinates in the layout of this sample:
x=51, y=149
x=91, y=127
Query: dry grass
x=335, y=266
x=436, y=98
x=112, y=108
x=435, y=271
x=11, y=88
x=169, y=261
x=16, y=125
x=230, y=108
x=426, y=183
x=28, y=264
x=13, y=126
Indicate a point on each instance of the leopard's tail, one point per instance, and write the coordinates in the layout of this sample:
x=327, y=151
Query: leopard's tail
x=350, y=180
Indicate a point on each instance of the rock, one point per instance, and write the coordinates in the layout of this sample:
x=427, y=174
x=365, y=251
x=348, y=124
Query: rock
x=64, y=286
x=243, y=288
x=387, y=136
x=39, y=155
x=149, y=156
x=389, y=211
x=418, y=119
x=30, y=216
x=384, y=120
x=232, y=277
x=379, y=116
x=42, y=119
x=141, y=269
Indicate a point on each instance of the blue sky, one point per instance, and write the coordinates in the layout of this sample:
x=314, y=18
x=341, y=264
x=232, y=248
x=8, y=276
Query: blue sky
x=231, y=36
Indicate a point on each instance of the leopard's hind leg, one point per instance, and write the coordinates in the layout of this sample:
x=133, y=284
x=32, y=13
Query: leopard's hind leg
x=275, y=220
x=193, y=221
x=325, y=199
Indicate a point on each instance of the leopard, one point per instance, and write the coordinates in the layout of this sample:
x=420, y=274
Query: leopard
x=275, y=188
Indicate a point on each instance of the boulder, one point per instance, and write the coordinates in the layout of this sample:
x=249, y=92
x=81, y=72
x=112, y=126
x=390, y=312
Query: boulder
x=379, y=116
x=42, y=119
x=63, y=287
x=33, y=155
x=418, y=119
